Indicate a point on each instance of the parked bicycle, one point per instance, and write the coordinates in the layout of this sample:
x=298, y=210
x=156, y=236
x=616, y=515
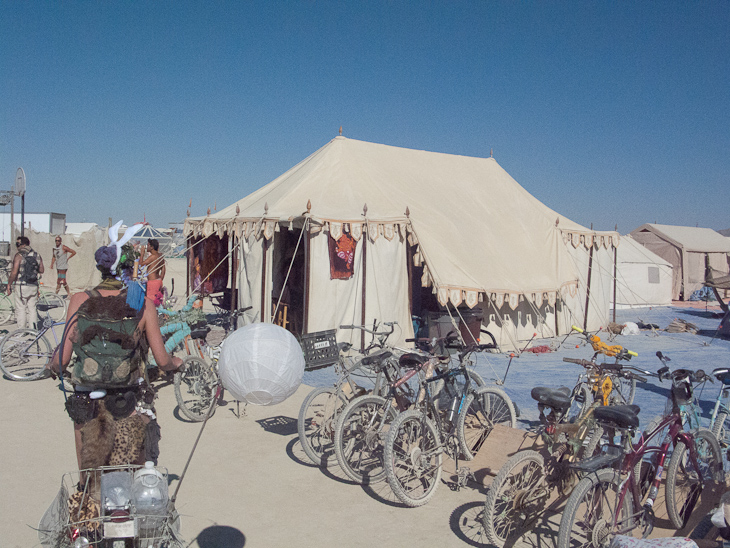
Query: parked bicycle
x=321, y=408
x=619, y=488
x=49, y=305
x=533, y=480
x=719, y=421
x=419, y=438
x=25, y=352
x=363, y=423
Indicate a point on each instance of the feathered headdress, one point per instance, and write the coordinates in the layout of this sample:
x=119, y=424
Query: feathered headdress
x=117, y=242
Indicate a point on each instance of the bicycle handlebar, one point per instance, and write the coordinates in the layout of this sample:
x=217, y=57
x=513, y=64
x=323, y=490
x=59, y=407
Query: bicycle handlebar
x=584, y=363
x=600, y=347
x=372, y=331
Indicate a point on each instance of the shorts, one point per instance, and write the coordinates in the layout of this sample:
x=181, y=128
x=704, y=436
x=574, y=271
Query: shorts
x=62, y=276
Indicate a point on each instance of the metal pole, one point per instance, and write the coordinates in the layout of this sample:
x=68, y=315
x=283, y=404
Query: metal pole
x=22, y=215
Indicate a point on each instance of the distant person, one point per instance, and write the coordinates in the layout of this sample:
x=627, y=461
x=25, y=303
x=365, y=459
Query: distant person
x=24, y=277
x=155, y=264
x=61, y=255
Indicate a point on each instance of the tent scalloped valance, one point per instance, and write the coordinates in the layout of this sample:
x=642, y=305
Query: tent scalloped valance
x=588, y=239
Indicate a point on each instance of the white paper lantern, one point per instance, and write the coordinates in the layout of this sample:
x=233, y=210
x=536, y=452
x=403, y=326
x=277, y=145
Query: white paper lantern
x=261, y=364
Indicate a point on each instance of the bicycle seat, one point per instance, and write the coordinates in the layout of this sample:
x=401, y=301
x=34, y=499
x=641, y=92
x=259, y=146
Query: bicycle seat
x=200, y=333
x=376, y=358
x=618, y=416
x=722, y=375
x=557, y=398
x=412, y=360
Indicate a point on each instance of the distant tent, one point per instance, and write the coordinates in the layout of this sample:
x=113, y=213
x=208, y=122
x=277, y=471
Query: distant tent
x=643, y=278
x=421, y=233
x=686, y=247
x=149, y=232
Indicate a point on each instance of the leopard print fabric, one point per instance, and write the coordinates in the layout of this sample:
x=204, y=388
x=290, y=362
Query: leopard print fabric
x=84, y=511
x=129, y=439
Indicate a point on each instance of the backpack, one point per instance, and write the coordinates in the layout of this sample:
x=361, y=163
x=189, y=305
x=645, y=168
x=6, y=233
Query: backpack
x=109, y=348
x=29, y=275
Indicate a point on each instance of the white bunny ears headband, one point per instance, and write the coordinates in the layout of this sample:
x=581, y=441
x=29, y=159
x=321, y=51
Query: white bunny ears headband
x=118, y=243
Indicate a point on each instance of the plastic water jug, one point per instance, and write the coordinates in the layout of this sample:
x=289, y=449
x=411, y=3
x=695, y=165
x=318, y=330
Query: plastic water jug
x=116, y=490
x=149, y=493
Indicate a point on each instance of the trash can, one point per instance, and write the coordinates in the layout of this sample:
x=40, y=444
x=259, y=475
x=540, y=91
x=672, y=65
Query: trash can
x=471, y=325
x=439, y=324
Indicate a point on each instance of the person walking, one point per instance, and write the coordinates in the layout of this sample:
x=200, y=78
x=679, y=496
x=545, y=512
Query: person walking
x=155, y=264
x=24, y=278
x=61, y=255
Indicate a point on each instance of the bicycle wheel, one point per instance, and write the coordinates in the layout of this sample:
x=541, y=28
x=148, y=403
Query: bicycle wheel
x=7, y=308
x=588, y=517
x=359, y=435
x=721, y=429
x=51, y=306
x=623, y=391
x=683, y=486
x=24, y=354
x=582, y=399
x=317, y=419
x=515, y=498
x=195, y=388
x=413, y=458
x=482, y=411
x=443, y=393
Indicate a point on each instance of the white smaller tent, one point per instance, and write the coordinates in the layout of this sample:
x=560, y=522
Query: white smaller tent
x=643, y=278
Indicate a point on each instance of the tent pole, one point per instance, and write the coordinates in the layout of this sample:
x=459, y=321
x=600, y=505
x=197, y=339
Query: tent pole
x=615, y=273
x=187, y=269
x=234, y=272
x=307, y=255
x=364, y=288
x=265, y=316
x=588, y=286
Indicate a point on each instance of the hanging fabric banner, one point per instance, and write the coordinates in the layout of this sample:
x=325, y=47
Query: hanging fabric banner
x=443, y=296
x=342, y=256
x=552, y=296
x=455, y=296
x=472, y=298
x=373, y=231
x=499, y=300
x=269, y=228
x=356, y=231
x=514, y=300
x=389, y=232
x=335, y=230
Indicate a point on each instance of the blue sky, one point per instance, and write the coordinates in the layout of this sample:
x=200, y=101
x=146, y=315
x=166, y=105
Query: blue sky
x=609, y=112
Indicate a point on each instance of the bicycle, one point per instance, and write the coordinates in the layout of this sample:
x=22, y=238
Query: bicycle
x=614, y=388
x=528, y=482
x=24, y=353
x=49, y=305
x=196, y=383
x=418, y=438
x=719, y=423
x=320, y=409
x=608, y=500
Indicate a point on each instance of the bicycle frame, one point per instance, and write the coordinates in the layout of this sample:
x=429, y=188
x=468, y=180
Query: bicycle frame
x=675, y=435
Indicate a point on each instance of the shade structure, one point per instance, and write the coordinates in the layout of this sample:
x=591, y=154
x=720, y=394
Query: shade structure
x=479, y=237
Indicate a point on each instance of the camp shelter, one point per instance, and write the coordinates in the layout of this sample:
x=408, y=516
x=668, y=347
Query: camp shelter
x=148, y=232
x=686, y=248
x=362, y=231
x=643, y=278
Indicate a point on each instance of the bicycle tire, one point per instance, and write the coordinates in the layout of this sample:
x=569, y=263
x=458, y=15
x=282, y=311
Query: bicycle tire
x=7, y=309
x=52, y=306
x=508, y=508
x=720, y=430
x=582, y=399
x=483, y=409
x=199, y=381
x=599, y=489
x=623, y=391
x=24, y=354
x=682, y=483
x=358, y=446
x=590, y=448
x=317, y=420
x=412, y=458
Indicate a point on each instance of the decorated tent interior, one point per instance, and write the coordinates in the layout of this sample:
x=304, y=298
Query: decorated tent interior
x=690, y=250
x=361, y=232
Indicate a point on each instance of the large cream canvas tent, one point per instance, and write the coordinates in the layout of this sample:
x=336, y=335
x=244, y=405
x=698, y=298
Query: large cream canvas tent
x=643, y=278
x=687, y=249
x=430, y=231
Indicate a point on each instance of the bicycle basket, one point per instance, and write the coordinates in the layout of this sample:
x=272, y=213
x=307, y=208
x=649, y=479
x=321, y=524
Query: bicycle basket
x=320, y=349
x=77, y=511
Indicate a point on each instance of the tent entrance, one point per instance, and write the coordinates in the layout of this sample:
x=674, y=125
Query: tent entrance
x=287, y=295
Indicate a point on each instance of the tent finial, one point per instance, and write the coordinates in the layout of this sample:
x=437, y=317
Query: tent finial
x=309, y=206
x=266, y=208
x=340, y=130
x=209, y=211
x=365, y=210
x=408, y=212
x=491, y=153
x=188, y=213
x=238, y=210
x=615, y=228
x=557, y=221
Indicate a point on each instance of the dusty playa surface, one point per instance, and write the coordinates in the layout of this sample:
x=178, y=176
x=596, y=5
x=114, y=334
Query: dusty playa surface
x=250, y=484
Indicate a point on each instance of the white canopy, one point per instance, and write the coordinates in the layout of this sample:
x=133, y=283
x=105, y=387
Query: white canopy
x=643, y=278
x=481, y=236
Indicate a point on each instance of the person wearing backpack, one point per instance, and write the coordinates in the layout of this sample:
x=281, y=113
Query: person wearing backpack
x=104, y=346
x=24, y=278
